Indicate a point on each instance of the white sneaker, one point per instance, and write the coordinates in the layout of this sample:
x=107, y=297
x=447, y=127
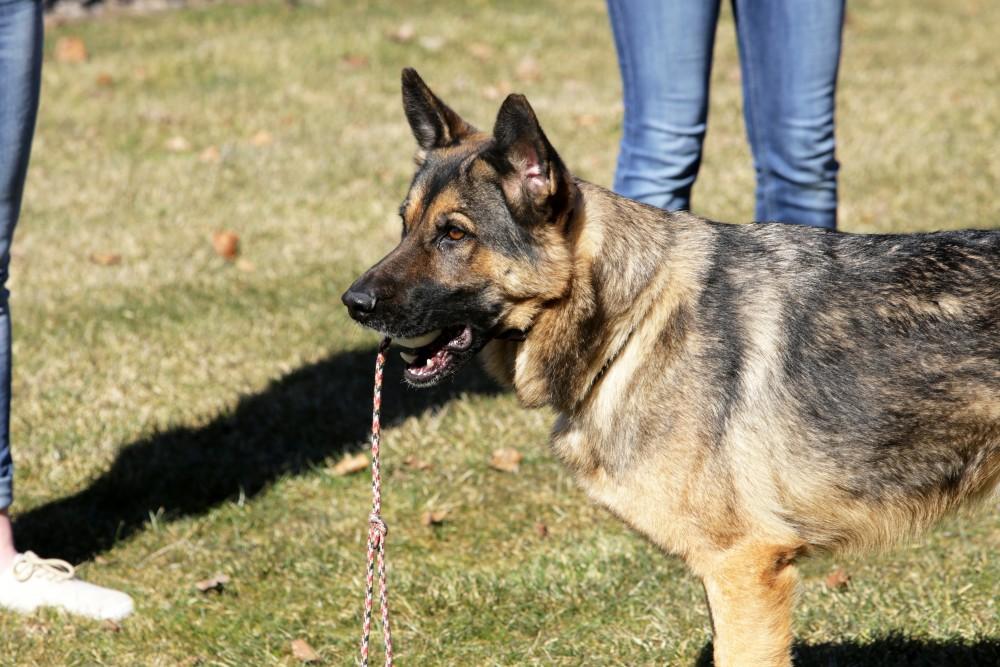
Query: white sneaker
x=31, y=582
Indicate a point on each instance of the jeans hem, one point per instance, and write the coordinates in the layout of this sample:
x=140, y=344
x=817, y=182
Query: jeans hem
x=6, y=492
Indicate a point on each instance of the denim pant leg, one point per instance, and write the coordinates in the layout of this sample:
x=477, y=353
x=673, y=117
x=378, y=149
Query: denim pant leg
x=789, y=56
x=20, y=78
x=665, y=57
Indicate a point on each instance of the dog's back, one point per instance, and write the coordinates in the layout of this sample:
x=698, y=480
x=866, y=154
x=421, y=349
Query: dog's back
x=868, y=365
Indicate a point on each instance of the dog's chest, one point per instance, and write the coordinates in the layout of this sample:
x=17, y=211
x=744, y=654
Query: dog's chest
x=647, y=494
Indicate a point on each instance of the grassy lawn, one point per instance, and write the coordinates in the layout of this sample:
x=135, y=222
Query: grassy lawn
x=177, y=415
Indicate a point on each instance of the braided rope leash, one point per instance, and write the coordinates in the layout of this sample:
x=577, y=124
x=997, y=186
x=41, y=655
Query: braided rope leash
x=376, y=527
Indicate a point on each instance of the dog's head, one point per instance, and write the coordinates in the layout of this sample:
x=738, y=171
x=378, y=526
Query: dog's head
x=484, y=237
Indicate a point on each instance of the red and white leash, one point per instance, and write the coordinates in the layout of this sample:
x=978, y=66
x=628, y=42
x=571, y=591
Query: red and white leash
x=376, y=526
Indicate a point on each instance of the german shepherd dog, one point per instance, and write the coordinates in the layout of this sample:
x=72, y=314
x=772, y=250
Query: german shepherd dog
x=741, y=395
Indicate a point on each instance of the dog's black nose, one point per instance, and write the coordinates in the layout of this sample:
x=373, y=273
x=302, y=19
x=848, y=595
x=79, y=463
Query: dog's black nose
x=359, y=301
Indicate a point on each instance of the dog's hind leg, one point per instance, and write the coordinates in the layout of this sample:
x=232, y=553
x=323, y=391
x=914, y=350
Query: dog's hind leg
x=750, y=590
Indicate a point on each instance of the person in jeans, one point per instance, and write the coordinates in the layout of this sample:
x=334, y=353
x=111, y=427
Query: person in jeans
x=789, y=56
x=27, y=581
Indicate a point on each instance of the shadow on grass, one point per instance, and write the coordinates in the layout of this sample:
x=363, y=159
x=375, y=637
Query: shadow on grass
x=291, y=426
x=893, y=650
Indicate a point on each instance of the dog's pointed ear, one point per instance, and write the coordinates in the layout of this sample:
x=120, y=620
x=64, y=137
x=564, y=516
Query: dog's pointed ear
x=433, y=123
x=535, y=178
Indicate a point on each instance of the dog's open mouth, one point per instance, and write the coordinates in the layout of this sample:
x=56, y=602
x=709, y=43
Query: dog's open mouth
x=433, y=356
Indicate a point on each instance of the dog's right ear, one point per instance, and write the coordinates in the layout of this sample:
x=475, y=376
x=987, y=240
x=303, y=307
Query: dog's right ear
x=433, y=123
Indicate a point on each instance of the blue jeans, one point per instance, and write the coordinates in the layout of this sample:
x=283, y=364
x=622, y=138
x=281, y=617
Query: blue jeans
x=20, y=80
x=789, y=56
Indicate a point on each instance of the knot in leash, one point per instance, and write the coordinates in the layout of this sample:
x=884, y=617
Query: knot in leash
x=377, y=530
x=378, y=525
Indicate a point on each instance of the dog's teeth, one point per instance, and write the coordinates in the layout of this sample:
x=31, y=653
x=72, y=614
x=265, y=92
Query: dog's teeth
x=417, y=341
x=429, y=363
x=408, y=358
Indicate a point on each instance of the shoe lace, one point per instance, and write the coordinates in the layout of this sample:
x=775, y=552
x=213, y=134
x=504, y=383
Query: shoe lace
x=27, y=564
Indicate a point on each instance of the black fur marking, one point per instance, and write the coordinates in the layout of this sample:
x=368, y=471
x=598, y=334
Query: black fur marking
x=437, y=174
x=719, y=315
x=430, y=305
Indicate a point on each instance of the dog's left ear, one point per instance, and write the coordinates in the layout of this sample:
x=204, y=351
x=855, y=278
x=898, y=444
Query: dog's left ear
x=535, y=179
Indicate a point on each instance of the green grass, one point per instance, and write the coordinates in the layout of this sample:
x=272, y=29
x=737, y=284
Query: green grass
x=177, y=416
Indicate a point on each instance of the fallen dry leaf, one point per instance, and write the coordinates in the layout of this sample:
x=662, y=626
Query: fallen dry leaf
x=246, y=265
x=111, y=626
x=496, y=91
x=433, y=517
x=226, y=244
x=480, y=51
x=70, y=50
x=351, y=464
x=216, y=583
x=262, y=138
x=541, y=530
x=106, y=258
x=403, y=33
x=355, y=60
x=432, y=42
x=177, y=144
x=528, y=69
x=156, y=116
x=34, y=627
x=838, y=580
x=104, y=80
x=506, y=459
x=416, y=464
x=303, y=651
x=210, y=154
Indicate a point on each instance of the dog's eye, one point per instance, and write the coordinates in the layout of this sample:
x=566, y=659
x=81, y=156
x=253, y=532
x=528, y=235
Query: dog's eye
x=455, y=234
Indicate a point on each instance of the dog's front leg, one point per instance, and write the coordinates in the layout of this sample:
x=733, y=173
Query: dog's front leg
x=750, y=592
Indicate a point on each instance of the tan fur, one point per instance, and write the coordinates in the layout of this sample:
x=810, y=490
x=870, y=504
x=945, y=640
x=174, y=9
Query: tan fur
x=750, y=590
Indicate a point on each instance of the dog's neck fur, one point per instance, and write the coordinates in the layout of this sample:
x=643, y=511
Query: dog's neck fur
x=557, y=366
